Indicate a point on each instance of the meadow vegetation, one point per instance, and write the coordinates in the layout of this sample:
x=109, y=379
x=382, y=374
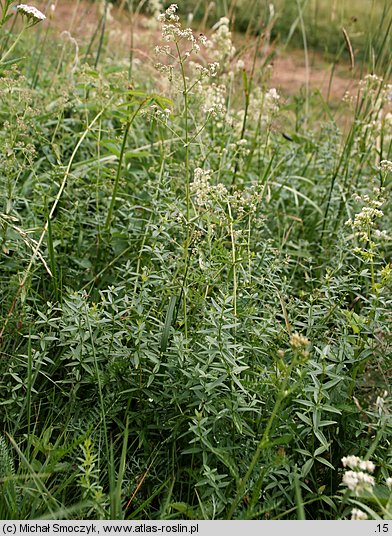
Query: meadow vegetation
x=195, y=281
x=317, y=22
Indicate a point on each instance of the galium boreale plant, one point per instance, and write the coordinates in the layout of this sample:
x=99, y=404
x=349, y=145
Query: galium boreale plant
x=287, y=361
x=367, y=486
x=182, y=46
x=225, y=215
x=365, y=223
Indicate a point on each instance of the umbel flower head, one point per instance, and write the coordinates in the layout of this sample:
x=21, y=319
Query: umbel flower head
x=358, y=480
x=358, y=515
x=32, y=14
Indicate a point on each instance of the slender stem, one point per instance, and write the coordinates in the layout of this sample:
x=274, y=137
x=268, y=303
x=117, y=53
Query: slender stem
x=5, y=8
x=372, y=274
x=303, y=31
x=187, y=191
x=186, y=103
x=101, y=37
x=233, y=260
x=12, y=46
x=263, y=443
x=119, y=166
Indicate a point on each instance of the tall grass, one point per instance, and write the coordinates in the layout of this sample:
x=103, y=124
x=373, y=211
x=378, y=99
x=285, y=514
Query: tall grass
x=367, y=23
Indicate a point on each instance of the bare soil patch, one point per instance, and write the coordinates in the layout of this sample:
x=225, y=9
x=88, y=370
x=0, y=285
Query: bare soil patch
x=289, y=72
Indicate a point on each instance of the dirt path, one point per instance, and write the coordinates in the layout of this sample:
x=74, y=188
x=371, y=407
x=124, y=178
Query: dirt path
x=289, y=72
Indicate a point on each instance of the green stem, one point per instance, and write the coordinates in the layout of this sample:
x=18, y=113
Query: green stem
x=101, y=37
x=187, y=190
x=303, y=31
x=263, y=443
x=5, y=8
x=233, y=260
x=12, y=46
x=372, y=274
x=120, y=161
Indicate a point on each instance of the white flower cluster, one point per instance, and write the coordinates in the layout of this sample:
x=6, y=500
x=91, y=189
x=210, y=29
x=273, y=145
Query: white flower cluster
x=358, y=480
x=238, y=148
x=271, y=102
x=214, y=100
x=358, y=515
x=365, y=219
x=389, y=482
x=377, y=93
x=158, y=113
x=203, y=190
x=167, y=70
x=172, y=31
x=210, y=71
x=368, y=214
x=224, y=49
x=354, y=462
x=32, y=14
x=216, y=197
x=263, y=107
x=240, y=65
x=169, y=15
x=162, y=50
x=154, y=7
x=380, y=402
x=386, y=165
x=369, y=80
x=348, y=98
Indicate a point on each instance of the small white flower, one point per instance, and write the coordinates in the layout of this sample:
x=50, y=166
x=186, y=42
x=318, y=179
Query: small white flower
x=272, y=94
x=154, y=7
x=224, y=49
x=357, y=515
x=351, y=461
x=366, y=465
x=389, y=482
x=380, y=401
x=385, y=165
x=169, y=14
x=33, y=14
x=203, y=40
x=298, y=341
x=357, y=481
x=354, y=462
x=214, y=100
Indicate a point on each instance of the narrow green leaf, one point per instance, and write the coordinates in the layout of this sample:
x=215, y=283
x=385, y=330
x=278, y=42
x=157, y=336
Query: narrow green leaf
x=168, y=323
